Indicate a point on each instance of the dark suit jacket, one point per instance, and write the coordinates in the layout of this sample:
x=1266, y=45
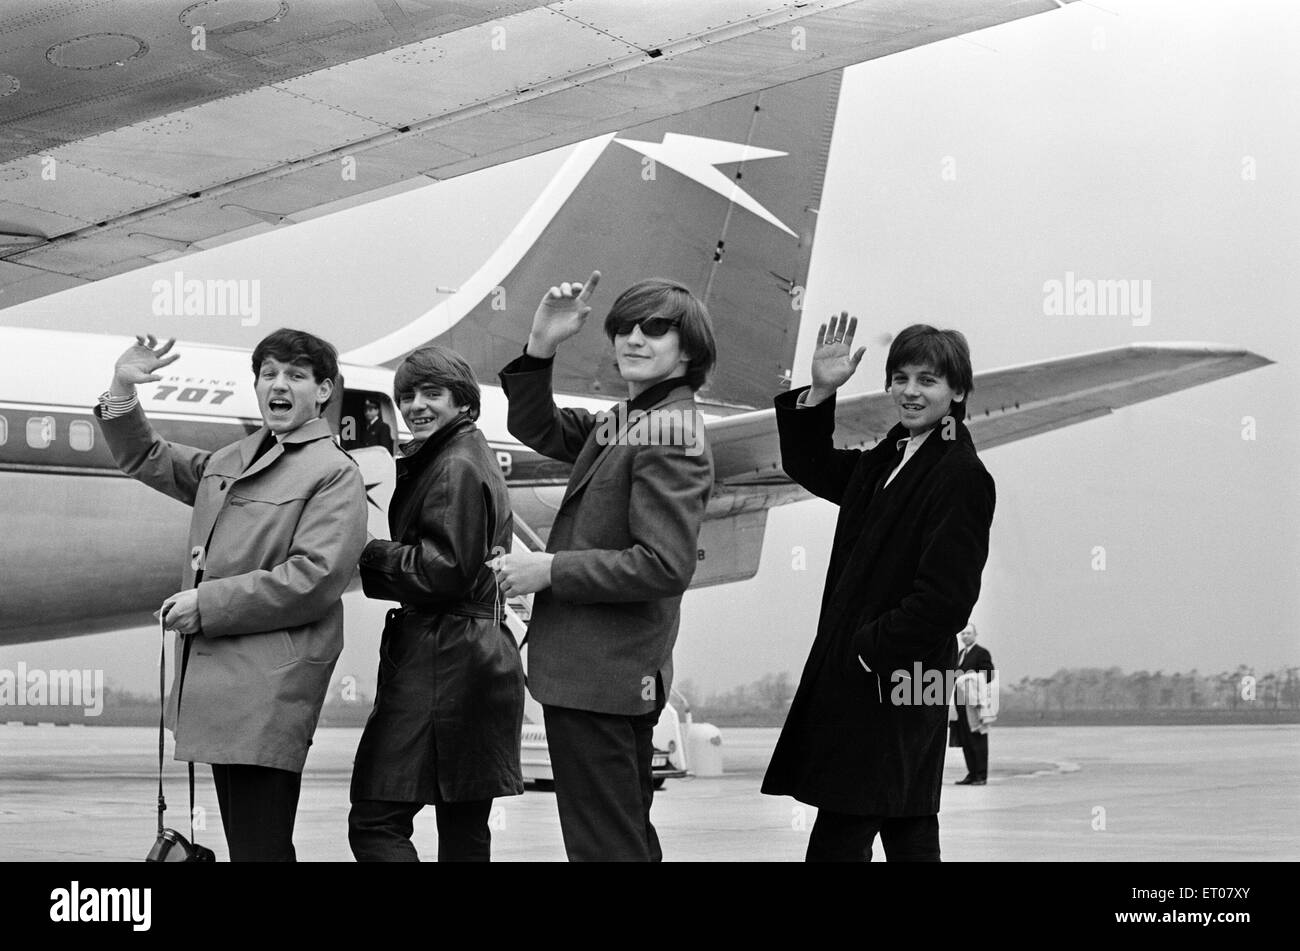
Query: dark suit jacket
x=377, y=434
x=977, y=658
x=625, y=541
x=904, y=575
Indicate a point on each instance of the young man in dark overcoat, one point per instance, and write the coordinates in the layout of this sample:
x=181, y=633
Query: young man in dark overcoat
x=863, y=741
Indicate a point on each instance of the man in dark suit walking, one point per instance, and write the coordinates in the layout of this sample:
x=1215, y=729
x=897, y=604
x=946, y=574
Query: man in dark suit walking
x=972, y=710
x=862, y=742
x=621, y=552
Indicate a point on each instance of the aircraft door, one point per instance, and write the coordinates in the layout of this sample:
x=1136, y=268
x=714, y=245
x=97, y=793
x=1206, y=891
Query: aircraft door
x=369, y=445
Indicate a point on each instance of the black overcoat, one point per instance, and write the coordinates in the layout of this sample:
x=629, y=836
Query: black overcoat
x=449, y=706
x=904, y=575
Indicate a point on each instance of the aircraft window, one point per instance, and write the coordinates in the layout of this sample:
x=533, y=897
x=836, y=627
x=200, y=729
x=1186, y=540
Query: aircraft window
x=40, y=431
x=81, y=435
x=4, y=430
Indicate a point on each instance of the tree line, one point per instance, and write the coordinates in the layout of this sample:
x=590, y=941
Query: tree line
x=1078, y=688
x=1110, y=688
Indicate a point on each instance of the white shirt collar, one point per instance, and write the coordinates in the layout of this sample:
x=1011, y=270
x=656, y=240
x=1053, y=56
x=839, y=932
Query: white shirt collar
x=913, y=442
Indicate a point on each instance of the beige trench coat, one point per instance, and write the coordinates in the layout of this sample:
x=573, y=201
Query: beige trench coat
x=278, y=545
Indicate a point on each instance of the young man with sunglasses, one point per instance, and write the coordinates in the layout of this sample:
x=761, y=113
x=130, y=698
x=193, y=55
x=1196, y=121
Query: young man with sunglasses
x=621, y=552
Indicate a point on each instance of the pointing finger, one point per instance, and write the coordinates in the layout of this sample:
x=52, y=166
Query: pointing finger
x=821, y=335
x=589, y=286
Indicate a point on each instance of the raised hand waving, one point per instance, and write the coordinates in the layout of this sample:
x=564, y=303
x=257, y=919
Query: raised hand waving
x=560, y=315
x=142, y=361
x=834, y=361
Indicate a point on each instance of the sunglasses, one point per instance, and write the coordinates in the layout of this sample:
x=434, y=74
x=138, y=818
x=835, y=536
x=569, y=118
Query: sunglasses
x=650, y=326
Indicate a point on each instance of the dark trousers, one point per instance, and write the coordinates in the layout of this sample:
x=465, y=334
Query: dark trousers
x=258, y=806
x=603, y=785
x=838, y=837
x=381, y=831
x=974, y=746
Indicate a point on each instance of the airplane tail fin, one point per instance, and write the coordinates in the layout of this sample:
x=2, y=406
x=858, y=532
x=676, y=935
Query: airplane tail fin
x=723, y=198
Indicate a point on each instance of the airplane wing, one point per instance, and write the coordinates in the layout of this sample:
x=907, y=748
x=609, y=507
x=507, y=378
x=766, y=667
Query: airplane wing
x=1006, y=405
x=136, y=132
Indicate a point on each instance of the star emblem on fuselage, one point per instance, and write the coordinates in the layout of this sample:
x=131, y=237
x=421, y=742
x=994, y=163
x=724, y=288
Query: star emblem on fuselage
x=696, y=158
x=369, y=486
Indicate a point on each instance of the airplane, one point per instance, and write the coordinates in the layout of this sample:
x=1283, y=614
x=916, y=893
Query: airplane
x=730, y=237
x=693, y=139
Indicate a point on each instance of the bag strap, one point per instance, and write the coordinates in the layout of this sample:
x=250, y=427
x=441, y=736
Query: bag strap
x=185, y=658
x=162, y=705
x=180, y=692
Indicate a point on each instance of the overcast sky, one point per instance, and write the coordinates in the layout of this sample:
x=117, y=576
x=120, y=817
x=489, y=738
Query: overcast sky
x=1149, y=141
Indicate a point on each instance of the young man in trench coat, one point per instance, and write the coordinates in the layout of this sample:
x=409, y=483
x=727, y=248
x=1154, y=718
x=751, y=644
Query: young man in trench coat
x=864, y=742
x=279, y=522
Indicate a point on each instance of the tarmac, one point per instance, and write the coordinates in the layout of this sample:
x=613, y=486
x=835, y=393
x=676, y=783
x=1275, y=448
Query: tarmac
x=1092, y=794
